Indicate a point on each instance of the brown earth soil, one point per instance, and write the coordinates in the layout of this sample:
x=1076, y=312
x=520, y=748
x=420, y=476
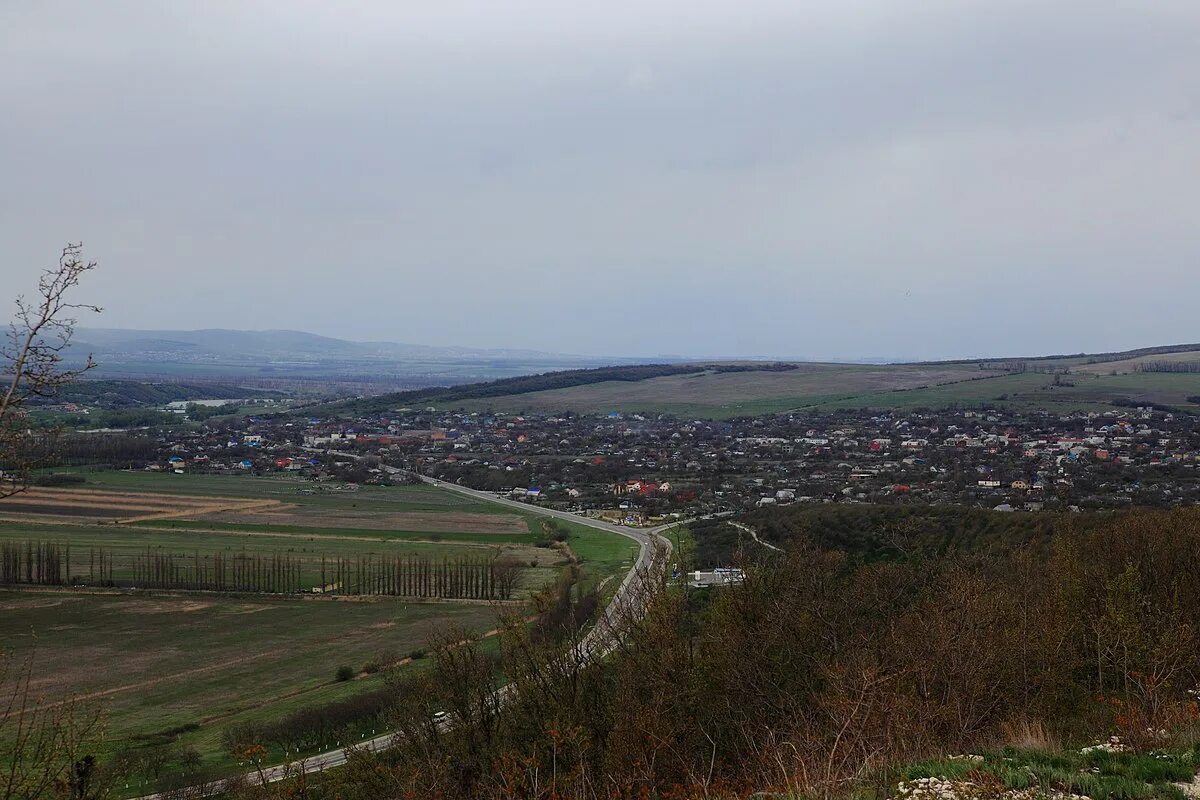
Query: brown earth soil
x=129, y=507
x=431, y=521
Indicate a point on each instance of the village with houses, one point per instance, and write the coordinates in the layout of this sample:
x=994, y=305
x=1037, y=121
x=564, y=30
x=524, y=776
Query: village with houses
x=641, y=469
x=600, y=401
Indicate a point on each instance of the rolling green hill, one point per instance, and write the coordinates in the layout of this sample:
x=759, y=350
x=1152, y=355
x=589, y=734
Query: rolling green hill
x=1164, y=376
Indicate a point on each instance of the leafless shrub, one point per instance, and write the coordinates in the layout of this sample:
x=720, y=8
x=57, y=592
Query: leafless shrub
x=1029, y=734
x=44, y=742
x=31, y=363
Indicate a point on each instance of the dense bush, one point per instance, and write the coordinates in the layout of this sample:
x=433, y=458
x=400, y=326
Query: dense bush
x=823, y=667
x=875, y=532
x=319, y=726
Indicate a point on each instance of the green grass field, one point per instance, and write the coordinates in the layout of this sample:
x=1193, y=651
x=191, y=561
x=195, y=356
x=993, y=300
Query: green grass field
x=827, y=387
x=183, y=667
x=372, y=533
x=1083, y=391
x=730, y=394
x=606, y=557
x=287, y=488
x=161, y=663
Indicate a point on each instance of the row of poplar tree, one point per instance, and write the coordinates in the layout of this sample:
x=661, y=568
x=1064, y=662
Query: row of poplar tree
x=50, y=564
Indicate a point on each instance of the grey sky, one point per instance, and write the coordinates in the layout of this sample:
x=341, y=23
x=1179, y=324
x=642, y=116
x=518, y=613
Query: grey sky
x=915, y=178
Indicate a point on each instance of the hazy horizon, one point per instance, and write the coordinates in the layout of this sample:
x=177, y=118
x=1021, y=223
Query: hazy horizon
x=877, y=180
x=81, y=339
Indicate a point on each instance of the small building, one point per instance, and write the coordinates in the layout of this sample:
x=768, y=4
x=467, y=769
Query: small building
x=721, y=576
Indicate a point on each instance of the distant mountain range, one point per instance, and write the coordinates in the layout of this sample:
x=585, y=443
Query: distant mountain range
x=285, y=355
x=218, y=342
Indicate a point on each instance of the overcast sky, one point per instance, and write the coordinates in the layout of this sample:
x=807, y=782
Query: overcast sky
x=906, y=178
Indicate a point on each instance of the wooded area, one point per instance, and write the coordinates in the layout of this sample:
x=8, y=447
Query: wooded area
x=822, y=671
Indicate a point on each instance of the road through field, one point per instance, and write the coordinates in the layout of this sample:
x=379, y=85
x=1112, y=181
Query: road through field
x=627, y=603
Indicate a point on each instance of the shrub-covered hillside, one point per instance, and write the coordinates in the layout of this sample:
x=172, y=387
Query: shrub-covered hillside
x=874, y=532
x=824, y=671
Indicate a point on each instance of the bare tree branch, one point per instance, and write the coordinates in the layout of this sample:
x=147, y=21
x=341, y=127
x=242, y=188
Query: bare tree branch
x=32, y=363
x=42, y=749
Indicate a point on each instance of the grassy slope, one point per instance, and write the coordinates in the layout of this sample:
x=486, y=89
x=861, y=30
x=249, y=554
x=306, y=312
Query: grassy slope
x=733, y=393
x=899, y=387
x=604, y=555
x=198, y=659
x=715, y=390
x=1031, y=390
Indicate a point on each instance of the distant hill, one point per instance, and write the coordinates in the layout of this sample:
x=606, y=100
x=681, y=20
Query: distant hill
x=280, y=344
x=1118, y=355
x=281, y=358
x=387, y=375
x=507, y=387
x=1167, y=377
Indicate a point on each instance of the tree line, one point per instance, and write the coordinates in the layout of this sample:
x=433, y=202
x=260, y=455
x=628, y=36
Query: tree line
x=134, y=394
x=54, y=449
x=561, y=379
x=467, y=577
x=40, y=563
x=413, y=576
x=1189, y=367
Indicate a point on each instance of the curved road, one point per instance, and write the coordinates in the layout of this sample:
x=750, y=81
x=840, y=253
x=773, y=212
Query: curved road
x=597, y=643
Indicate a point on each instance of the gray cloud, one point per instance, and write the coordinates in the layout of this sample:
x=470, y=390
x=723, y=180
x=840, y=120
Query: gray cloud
x=833, y=179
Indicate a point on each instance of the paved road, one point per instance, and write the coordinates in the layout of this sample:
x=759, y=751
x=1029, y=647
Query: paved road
x=627, y=602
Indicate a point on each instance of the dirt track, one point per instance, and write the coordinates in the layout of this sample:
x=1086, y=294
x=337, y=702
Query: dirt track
x=427, y=521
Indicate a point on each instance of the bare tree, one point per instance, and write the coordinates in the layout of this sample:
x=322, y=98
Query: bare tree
x=505, y=574
x=44, y=751
x=32, y=363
